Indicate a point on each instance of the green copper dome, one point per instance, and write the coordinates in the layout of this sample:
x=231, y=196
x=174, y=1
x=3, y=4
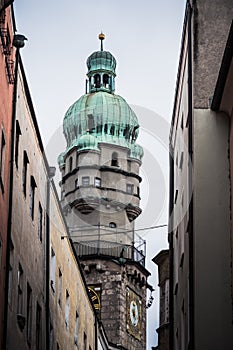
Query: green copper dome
x=108, y=117
x=100, y=115
x=101, y=60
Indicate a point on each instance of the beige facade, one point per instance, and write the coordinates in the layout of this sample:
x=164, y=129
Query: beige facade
x=26, y=294
x=72, y=315
x=200, y=215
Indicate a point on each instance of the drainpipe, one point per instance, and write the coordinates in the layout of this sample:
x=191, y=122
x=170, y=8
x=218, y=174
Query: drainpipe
x=51, y=174
x=190, y=181
x=170, y=241
x=18, y=43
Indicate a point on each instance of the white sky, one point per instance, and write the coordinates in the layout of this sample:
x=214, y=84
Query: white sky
x=144, y=36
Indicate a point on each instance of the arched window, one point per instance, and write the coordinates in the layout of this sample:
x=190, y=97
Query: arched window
x=114, y=159
x=90, y=122
x=112, y=130
x=112, y=225
x=97, y=81
x=105, y=80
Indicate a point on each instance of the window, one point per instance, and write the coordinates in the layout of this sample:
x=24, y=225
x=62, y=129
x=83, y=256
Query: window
x=105, y=80
x=76, y=329
x=17, y=135
x=24, y=174
x=60, y=288
x=38, y=327
x=114, y=159
x=32, y=196
x=20, y=290
x=76, y=183
x=128, y=165
x=97, y=81
x=40, y=222
x=29, y=314
x=84, y=341
x=67, y=309
x=53, y=270
x=112, y=225
x=112, y=130
x=90, y=122
x=70, y=164
x=10, y=272
x=97, y=182
x=2, y=158
x=129, y=188
x=85, y=180
x=138, y=191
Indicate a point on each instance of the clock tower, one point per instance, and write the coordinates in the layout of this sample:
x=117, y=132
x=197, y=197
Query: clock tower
x=100, y=196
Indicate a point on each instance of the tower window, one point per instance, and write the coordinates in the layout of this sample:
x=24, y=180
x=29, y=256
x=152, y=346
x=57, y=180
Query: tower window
x=97, y=182
x=105, y=80
x=112, y=130
x=2, y=157
x=90, y=122
x=97, y=81
x=76, y=183
x=85, y=180
x=40, y=222
x=114, y=159
x=112, y=225
x=67, y=309
x=129, y=188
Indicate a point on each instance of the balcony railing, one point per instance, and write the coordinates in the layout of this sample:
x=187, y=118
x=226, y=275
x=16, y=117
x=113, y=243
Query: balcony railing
x=120, y=252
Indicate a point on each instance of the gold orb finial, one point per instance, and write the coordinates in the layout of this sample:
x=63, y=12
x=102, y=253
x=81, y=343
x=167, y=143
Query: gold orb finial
x=101, y=37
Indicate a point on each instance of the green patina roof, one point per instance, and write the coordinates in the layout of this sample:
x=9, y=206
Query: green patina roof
x=101, y=61
x=101, y=116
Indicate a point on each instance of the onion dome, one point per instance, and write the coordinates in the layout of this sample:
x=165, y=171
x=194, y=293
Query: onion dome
x=108, y=117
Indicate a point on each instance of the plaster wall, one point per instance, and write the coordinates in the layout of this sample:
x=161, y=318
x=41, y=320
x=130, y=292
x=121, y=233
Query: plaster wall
x=212, y=232
x=28, y=249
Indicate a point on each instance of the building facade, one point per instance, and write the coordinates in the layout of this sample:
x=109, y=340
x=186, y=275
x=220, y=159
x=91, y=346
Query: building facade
x=200, y=202
x=162, y=261
x=7, y=58
x=100, y=198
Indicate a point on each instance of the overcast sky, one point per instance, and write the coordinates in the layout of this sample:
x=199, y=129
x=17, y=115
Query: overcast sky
x=144, y=36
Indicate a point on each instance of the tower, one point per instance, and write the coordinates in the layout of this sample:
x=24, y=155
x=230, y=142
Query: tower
x=100, y=198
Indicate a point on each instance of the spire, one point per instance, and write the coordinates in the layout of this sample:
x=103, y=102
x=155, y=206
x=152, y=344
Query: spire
x=101, y=37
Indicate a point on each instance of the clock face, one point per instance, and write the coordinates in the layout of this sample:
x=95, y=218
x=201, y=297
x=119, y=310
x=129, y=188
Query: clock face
x=95, y=297
x=133, y=313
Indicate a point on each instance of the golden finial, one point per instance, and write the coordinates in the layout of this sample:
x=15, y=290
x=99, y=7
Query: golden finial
x=101, y=37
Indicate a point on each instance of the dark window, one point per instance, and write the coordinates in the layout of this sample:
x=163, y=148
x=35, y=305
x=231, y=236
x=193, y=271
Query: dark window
x=59, y=287
x=76, y=329
x=17, y=135
x=40, y=222
x=24, y=173
x=129, y=188
x=20, y=290
x=67, y=309
x=29, y=314
x=112, y=130
x=90, y=122
x=105, y=128
x=114, y=161
x=85, y=180
x=84, y=341
x=106, y=79
x=53, y=270
x=32, y=196
x=76, y=183
x=97, y=81
x=51, y=337
x=112, y=225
